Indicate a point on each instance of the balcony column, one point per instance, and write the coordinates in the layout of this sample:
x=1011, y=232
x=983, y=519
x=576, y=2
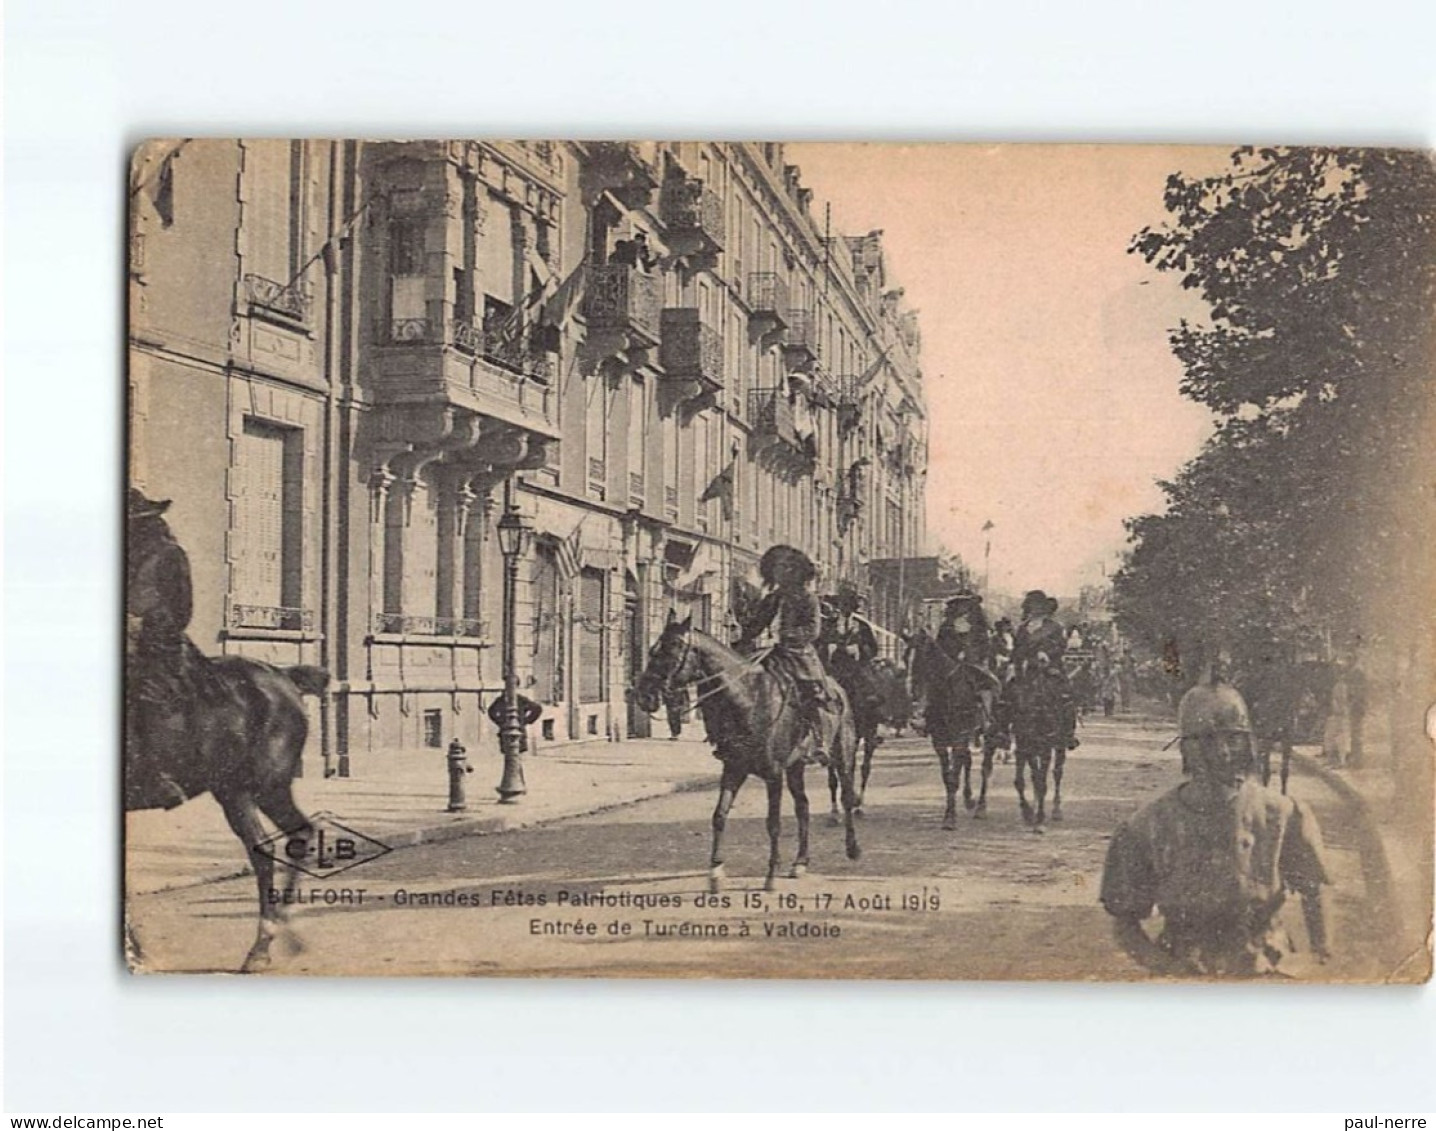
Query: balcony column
x=380, y=481
x=447, y=601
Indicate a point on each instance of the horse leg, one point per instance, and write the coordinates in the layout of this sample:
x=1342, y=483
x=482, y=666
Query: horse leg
x=966, y=765
x=728, y=786
x=243, y=816
x=947, y=758
x=834, y=814
x=846, y=759
x=1059, y=763
x=987, y=753
x=775, y=829
x=870, y=745
x=798, y=789
x=1041, y=759
x=1019, y=755
x=279, y=806
x=1285, y=764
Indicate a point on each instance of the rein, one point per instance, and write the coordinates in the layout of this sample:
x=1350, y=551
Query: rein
x=718, y=678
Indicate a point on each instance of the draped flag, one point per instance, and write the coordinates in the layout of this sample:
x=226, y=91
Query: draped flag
x=722, y=489
x=872, y=370
x=560, y=305
x=567, y=550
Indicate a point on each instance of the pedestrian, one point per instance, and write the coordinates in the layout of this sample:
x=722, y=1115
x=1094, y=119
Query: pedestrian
x=1216, y=856
x=1111, y=691
x=529, y=711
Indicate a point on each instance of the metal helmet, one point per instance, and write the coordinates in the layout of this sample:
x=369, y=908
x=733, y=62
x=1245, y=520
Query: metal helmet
x=1212, y=708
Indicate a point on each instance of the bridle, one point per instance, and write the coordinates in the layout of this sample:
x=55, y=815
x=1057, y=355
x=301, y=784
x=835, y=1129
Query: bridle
x=719, y=678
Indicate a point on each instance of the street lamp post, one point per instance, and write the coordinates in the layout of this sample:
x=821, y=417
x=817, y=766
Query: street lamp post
x=514, y=537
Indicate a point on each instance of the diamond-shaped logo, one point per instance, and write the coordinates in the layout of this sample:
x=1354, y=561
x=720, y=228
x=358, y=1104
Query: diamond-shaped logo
x=324, y=849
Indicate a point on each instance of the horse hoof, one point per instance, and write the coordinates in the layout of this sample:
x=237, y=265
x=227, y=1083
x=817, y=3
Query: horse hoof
x=1027, y=815
x=968, y=803
x=1039, y=828
x=715, y=880
x=256, y=963
x=835, y=819
x=949, y=821
x=770, y=884
x=980, y=812
x=858, y=811
x=797, y=871
x=1057, y=814
x=855, y=852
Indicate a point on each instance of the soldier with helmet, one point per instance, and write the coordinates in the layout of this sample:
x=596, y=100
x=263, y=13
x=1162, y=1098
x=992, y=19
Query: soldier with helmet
x=1217, y=856
x=788, y=573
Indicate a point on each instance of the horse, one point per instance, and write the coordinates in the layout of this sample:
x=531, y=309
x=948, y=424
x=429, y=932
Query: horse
x=955, y=716
x=1289, y=704
x=752, y=717
x=1039, y=708
x=245, y=738
x=868, y=694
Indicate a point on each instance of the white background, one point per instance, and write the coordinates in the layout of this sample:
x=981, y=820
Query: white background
x=85, y=80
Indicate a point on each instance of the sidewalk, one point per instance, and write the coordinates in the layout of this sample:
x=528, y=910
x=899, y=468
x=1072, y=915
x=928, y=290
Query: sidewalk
x=401, y=799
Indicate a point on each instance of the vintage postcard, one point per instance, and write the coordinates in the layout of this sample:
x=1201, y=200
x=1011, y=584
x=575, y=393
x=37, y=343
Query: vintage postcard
x=678, y=559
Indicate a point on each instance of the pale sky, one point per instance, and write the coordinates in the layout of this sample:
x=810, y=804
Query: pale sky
x=1052, y=393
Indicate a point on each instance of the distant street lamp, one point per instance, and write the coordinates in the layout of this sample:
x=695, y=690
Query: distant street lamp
x=515, y=536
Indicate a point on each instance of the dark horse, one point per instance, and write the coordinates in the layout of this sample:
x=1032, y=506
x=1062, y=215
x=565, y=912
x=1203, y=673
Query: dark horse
x=956, y=717
x=1039, y=707
x=1289, y=704
x=752, y=718
x=870, y=691
x=248, y=733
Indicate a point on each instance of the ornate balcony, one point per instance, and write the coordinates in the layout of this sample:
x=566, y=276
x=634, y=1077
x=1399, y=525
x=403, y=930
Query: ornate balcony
x=849, y=405
x=265, y=296
x=691, y=351
x=455, y=362
x=693, y=215
x=768, y=300
x=626, y=300
x=800, y=343
x=776, y=439
x=271, y=618
x=400, y=624
x=622, y=168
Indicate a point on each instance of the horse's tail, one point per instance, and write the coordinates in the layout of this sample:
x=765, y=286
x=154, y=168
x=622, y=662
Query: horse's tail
x=308, y=679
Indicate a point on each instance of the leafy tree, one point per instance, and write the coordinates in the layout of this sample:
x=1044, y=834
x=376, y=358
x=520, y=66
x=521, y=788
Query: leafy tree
x=1319, y=270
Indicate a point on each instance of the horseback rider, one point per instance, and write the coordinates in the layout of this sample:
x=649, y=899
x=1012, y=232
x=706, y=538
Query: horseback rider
x=847, y=634
x=1038, y=649
x=788, y=573
x=1217, y=855
x=166, y=671
x=963, y=634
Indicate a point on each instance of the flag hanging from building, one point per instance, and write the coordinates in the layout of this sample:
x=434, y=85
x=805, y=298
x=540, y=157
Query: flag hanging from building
x=872, y=370
x=722, y=489
x=558, y=308
x=567, y=550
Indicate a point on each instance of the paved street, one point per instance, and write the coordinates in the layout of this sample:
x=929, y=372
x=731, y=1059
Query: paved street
x=625, y=891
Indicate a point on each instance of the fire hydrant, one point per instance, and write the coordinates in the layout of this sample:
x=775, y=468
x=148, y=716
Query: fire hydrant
x=458, y=761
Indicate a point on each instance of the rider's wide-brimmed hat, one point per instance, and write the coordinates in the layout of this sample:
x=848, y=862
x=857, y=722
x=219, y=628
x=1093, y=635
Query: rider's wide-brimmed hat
x=964, y=600
x=1037, y=601
x=785, y=559
x=138, y=505
x=847, y=600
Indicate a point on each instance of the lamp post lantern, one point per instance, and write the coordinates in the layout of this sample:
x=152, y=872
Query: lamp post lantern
x=515, y=535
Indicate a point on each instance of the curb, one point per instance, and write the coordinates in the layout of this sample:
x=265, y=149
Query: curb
x=473, y=826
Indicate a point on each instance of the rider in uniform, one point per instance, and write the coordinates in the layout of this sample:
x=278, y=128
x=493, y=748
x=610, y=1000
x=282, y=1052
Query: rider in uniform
x=166, y=671
x=1038, y=648
x=788, y=574
x=1216, y=856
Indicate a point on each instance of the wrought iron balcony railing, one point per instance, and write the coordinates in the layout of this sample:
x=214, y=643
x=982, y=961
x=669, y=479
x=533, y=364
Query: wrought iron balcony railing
x=771, y=415
x=271, y=617
x=290, y=302
x=401, y=624
x=509, y=351
x=689, y=208
x=624, y=298
x=691, y=350
x=801, y=341
x=768, y=296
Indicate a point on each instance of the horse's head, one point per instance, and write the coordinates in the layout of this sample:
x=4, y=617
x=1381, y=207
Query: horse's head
x=670, y=664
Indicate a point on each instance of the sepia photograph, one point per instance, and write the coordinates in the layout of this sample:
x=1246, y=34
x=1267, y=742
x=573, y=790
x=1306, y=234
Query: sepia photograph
x=608, y=558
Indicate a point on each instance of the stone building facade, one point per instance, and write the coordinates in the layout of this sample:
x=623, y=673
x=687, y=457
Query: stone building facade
x=342, y=354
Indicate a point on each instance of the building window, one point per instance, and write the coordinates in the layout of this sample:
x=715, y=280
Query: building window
x=434, y=729
x=406, y=276
x=268, y=527
x=592, y=637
